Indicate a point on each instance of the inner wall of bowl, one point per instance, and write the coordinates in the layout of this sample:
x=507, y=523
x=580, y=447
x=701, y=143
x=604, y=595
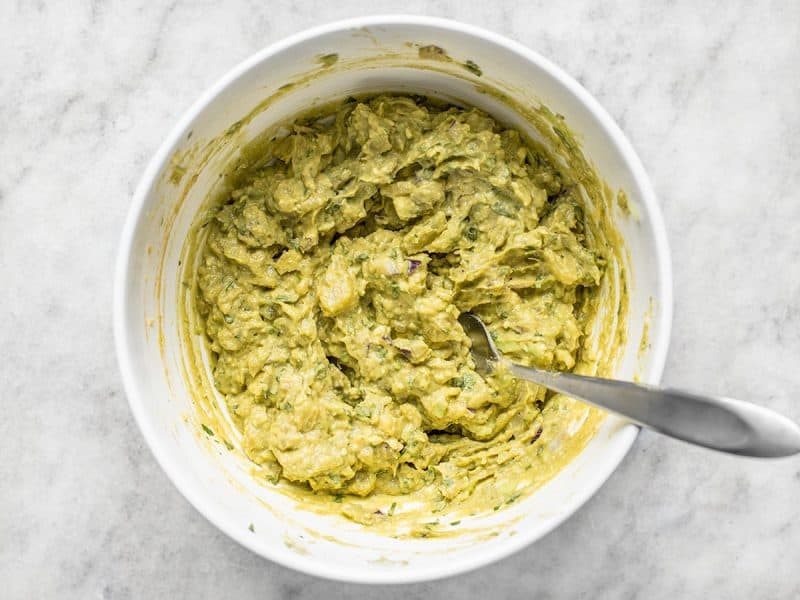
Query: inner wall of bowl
x=222, y=487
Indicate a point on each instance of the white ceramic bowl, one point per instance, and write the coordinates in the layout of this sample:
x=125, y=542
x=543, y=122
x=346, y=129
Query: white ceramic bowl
x=380, y=57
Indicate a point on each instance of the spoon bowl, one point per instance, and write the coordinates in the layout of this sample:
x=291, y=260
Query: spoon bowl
x=715, y=422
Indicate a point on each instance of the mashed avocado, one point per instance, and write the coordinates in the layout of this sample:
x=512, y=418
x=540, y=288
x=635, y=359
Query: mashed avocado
x=329, y=283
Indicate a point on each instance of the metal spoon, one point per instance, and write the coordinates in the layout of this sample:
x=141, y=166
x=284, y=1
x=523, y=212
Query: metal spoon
x=714, y=422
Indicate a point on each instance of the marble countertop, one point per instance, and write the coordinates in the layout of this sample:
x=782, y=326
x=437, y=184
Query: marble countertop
x=709, y=94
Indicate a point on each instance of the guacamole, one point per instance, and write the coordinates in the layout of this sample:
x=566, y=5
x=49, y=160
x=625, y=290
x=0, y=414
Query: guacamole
x=329, y=282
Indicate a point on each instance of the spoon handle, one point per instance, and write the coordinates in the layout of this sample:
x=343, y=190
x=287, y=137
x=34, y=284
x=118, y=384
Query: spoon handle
x=714, y=422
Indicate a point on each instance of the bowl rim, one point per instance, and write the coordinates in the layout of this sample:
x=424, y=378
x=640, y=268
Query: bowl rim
x=661, y=323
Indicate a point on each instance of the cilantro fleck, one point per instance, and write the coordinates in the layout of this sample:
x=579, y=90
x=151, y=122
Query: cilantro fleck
x=252, y=528
x=207, y=429
x=502, y=210
x=471, y=233
x=473, y=68
x=465, y=382
x=391, y=509
x=364, y=410
x=332, y=208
